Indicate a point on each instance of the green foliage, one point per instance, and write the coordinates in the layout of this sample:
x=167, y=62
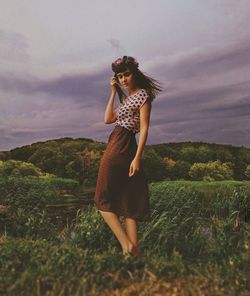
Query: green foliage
x=155, y=166
x=29, y=266
x=196, y=228
x=69, y=160
x=200, y=154
x=26, y=199
x=20, y=169
x=179, y=170
x=163, y=150
x=168, y=266
x=86, y=227
x=29, y=192
x=213, y=169
x=4, y=155
x=79, y=159
x=224, y=155
x=34, y=225
x=208, y=179
x=241, y=161
x=84, y=167
x=247, y=172
x=175, y=220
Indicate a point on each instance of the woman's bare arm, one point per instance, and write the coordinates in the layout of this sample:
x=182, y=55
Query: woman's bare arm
x=110, y=116
x=144, y=126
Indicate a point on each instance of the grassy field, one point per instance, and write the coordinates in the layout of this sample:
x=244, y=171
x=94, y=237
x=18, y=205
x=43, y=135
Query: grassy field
x=197, y=243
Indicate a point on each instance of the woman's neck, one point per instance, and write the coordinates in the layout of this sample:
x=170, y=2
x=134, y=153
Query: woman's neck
x=133, y=91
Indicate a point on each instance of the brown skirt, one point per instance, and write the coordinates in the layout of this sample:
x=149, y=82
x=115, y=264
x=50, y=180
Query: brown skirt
x=115, y=191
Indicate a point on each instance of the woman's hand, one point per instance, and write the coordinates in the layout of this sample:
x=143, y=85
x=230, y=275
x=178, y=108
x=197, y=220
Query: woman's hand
x=113, y=81
x=134, y=167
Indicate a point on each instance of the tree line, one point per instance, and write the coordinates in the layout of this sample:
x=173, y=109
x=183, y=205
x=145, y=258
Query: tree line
x=79, y=159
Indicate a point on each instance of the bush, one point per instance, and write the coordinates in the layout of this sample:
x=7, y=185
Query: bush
x=19, y=168
x=213, y=169
x=247, y=171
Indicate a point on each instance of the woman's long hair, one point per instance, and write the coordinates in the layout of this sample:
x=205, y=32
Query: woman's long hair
x=141, y=80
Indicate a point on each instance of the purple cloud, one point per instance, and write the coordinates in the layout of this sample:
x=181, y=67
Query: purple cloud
x=207, y=99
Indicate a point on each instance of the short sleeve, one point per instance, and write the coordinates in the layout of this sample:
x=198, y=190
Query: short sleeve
x=141, y=99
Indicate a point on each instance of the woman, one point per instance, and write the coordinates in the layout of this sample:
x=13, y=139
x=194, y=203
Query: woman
x=122, y=188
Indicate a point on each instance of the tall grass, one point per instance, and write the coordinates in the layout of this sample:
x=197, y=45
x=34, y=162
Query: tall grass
x=197, y=241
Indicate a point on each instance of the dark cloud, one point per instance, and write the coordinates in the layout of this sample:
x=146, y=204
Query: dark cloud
x=215, y=110
x=218, y=114
x=208, y=98
x=228, y=130
x=239, y=108
x=82, y=88
x=209, y=62
x=12, y=139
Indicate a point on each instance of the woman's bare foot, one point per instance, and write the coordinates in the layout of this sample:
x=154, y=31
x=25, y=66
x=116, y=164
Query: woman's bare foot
x=127, y=248
x=131, y=249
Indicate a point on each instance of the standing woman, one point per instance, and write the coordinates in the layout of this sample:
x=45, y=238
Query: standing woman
x=122, y=188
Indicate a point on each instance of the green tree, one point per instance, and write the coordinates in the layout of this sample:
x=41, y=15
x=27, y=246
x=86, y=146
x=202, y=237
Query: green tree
x=164, y=151
x=19, y=168
x=203, y=154
x=155, y=166
x=214, y=170
x=247, y=171
x=223, y=154
x=180, y=170
x=242, y=159
x=188, y=154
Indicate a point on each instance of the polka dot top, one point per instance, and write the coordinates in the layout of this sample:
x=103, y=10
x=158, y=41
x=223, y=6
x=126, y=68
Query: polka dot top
x=128, y=114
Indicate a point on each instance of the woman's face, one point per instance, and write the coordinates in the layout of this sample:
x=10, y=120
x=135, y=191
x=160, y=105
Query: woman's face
x=126, y=79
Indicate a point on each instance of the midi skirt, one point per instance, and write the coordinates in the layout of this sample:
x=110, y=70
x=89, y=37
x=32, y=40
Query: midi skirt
x=116, y=191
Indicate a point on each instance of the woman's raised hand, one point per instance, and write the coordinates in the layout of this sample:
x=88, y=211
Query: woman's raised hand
x=113, y=81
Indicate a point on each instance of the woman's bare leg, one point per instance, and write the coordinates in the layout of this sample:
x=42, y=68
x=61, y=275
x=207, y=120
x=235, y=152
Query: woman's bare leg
x=131, y=229
x=115, y=225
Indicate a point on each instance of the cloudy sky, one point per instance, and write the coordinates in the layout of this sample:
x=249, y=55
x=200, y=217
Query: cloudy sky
x=55, y=66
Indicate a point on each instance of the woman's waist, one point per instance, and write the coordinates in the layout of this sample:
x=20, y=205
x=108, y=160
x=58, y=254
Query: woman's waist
x=118, y=126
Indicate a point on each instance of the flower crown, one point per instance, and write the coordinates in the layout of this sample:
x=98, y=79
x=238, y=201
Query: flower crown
x=125, y=60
